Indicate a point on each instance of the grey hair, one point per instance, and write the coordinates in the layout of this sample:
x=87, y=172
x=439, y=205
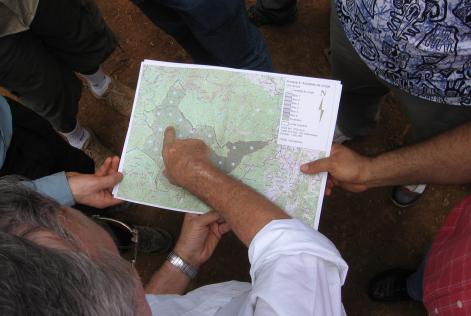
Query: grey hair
x=38, y=280
x=23, y=210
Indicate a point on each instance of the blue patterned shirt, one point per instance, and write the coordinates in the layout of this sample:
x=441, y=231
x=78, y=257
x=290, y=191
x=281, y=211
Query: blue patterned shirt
x=420, y=46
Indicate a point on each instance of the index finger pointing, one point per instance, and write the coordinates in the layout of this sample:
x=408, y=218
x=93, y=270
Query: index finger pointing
x=316, y=166
x=169, y=136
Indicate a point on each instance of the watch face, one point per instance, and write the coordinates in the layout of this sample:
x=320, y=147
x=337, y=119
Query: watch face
x=179, y=263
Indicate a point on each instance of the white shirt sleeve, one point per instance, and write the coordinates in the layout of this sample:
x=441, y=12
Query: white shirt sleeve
x=295, y=270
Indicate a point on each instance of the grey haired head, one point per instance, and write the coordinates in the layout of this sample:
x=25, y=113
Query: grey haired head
x=38, y=280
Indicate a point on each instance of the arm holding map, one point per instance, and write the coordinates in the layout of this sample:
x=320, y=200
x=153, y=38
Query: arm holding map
x=187, y=164
x=282, y=250
x=443, y=159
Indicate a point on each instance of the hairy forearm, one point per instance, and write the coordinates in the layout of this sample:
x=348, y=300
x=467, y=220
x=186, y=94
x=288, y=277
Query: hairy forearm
x=246, y=211
x=168, y=280
x=444, y=159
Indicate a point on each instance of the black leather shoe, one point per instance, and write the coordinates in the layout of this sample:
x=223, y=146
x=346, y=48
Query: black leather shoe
x=150, y=240
x=154, y=240
x=390, y=286
x=404, y=196
x=259, y=19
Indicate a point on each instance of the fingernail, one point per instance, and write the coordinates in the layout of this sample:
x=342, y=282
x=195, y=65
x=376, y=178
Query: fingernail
x=304, y=167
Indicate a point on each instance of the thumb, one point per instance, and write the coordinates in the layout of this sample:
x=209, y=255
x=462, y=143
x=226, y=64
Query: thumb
x=316, y=166
x=103, y=169
x=109, y=181
x=208, y=218
x=224, y=228
x=213, y=239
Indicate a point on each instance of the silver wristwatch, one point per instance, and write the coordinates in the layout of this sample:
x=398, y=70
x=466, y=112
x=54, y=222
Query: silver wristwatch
x=183, y=266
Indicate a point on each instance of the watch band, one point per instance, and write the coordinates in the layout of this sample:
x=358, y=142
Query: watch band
x=182, y=265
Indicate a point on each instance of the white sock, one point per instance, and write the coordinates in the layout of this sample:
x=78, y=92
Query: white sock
x=98, y=82
x=77, y=137
x=417, y=188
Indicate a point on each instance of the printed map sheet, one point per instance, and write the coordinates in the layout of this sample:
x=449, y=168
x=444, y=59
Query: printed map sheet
x=260, y=127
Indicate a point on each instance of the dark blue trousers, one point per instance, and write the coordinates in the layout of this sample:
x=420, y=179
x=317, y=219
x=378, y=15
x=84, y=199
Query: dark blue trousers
x=213, y=32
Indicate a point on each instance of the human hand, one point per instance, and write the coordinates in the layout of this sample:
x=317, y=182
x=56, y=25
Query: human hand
x=346, y=169
x=180, y=156
x=199, y=237
x=95, y=189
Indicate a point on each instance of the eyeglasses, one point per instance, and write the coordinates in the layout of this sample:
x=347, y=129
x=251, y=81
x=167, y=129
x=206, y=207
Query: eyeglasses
x=124, y=235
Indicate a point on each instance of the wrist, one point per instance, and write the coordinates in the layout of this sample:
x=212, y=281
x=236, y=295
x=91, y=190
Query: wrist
x=187, y=256
x=369, y=176
x=193, y=173
x=185, y=267
x=71, y=181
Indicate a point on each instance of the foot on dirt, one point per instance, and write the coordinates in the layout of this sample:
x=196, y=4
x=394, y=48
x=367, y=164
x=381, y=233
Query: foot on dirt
x=259, y=19
x=404, y=196
x=390, y=286
x=150, y=240
x=154, y=240
x=118, y=96
x=96, y=150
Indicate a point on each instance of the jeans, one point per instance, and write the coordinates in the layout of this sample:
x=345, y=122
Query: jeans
x=415, y=282
x=213, y=32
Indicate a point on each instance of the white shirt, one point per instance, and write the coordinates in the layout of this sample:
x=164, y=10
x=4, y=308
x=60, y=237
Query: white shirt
x=295, y=270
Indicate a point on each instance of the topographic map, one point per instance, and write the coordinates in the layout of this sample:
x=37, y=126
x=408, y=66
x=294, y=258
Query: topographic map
x=237, y=114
